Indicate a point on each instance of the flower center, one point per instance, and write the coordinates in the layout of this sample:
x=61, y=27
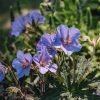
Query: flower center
x=42, y=63
x=25, y=63
x=66, y=40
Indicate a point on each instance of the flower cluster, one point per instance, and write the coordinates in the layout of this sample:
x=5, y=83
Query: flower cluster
x=20, y=23
x=65, y=39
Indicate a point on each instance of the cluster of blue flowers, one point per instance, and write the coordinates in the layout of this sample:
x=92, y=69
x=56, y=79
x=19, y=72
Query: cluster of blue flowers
x=20, y=23
x=65, y=39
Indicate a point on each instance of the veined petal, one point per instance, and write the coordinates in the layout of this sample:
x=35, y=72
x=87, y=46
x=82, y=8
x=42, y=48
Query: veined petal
x=17, y=64
x=28, y=56
x=37, y=17
x=74, y=33
x=66, y=51
x=43, y=70
x=45, y=40
x=20, y=54
x=23, y=72
x=53, y=68
x=39, y=46
x=57, y=41
x=36, y=59
x=75, y=47
x=63, y=31
x=44, y=56
x=52, y=37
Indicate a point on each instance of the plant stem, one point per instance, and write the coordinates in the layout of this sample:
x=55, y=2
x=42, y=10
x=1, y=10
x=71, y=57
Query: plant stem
x=64, y=71
x=43, y=84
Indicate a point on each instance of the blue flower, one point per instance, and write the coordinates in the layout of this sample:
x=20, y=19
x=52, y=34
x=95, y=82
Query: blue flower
x=34, y=16
x=20, y=23
x=67, y=39
x=2, y=72
x=47, y=40
x=18, y=26
x=22, y=63
x=44, y=62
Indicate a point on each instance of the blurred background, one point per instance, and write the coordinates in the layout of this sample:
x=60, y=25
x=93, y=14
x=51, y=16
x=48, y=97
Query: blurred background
x=16, y=5
x=26, y=5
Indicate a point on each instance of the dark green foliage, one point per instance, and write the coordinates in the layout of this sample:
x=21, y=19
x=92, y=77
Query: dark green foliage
x=78, y=76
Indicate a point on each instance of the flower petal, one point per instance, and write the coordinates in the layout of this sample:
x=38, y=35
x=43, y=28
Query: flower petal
x=37, y=17
x=1, y=64
x=36, y=59
x=2, y=72
x=28, y=56
x=74, y=33
x=2, y=77
x=52, y=37
x=69, y=49
x=66, y=51
x=27, y=19
x=18, y=26
x=45, y=40
x=57, y=41
x=43, y=70
x=44, y=56
x=16, y=64
x=16, y=33
x=53, y=68
x=63, y=31
x=23, y=72
x=20, y=54
x=52, y=52
x=75, y=47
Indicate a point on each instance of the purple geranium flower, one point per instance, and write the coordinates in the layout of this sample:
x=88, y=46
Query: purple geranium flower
x=34, y=16
x=67, y=39
x=47, y=40
x=43, y=61
x=19, y=25
x=2, y=72
x=22, y=63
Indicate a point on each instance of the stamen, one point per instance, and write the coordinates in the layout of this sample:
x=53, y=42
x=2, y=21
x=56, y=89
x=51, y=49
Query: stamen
x=66, y=40
x=42, y=63
x=25, y=63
